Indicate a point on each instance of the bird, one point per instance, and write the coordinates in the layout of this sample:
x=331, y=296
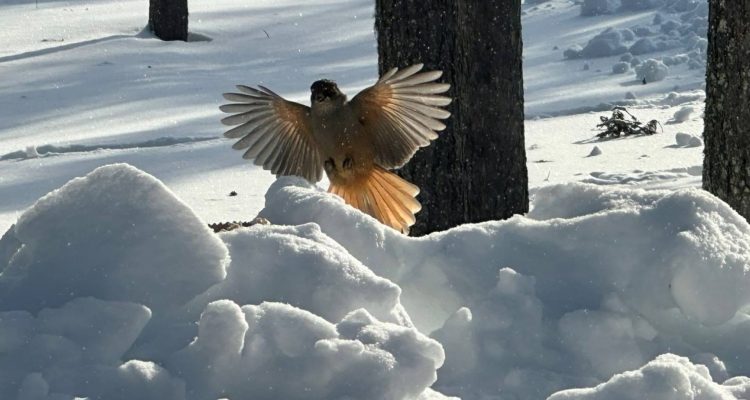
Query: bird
x=355, y=142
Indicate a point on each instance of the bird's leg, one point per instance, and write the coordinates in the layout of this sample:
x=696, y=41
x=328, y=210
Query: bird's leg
x=348, y=163
x=329, y=165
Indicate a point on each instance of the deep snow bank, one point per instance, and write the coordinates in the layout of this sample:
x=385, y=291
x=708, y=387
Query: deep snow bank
x=596, y=282
x=112, y=288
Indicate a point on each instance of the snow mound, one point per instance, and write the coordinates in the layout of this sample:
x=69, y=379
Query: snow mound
x=621, y=67
x=293, y=354
x=113, y=289
x=605, y=44
x=668, y=377
x=652, y=70
x=682, y=114
x=642, y=46
x=342, y=283
x=596, y=151
x=143, y=245
x=594, y=282
x=683, y=139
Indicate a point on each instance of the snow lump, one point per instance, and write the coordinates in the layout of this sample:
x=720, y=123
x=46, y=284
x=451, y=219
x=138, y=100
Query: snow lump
x=596, y=292
x=652, y=70
x=532, y=306
x=606, y=43
x=113, y=289
x=668, y=377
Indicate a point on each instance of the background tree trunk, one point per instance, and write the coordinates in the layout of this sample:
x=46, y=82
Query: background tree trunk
x=726, y=166
x=168, y=19
x=476, y=170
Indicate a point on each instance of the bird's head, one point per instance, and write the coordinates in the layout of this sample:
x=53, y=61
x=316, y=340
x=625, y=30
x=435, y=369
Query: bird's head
x=325, y=90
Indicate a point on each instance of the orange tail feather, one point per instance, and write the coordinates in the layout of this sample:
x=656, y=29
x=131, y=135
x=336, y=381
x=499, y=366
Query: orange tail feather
x=383, y=195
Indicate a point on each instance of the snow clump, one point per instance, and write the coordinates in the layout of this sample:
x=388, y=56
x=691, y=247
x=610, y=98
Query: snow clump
x=606, y=43
x=552, y=310
x=652, y=70
x=668, y=377
x=683, y=114
x=588, y=289
x=642, y=46
x=621, y=67
x=113, y=289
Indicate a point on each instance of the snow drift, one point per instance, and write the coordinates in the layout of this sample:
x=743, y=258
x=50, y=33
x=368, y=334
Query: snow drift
x=113, y=289
x=594, y=282
x=597, y=293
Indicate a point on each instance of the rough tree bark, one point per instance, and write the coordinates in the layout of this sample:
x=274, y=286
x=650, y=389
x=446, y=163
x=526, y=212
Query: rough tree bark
x=168, y=19
x=476, y=170
x=726, y=166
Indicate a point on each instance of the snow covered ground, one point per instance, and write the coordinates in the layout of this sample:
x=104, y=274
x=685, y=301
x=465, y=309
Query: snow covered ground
x=623, y=282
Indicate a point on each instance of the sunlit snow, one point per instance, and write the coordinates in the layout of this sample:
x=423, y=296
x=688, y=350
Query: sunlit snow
x=624, y=281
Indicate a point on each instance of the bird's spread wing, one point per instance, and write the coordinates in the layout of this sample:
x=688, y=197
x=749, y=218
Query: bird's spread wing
x=402, y=113
x=275, y=132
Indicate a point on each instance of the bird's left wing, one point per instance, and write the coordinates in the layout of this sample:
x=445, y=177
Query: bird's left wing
x=401, y=112
x=276, y=132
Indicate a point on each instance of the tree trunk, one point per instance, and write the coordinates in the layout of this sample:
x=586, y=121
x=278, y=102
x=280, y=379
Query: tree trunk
x=726, y=166
x=476, y=170
x=168, y=19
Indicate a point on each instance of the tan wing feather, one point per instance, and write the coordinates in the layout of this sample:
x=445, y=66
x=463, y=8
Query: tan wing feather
x=274, y=131
x=402, y=113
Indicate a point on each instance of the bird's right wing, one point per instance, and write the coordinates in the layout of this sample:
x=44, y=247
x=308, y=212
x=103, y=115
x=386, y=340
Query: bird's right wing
x=276, y=132
x=402, y=112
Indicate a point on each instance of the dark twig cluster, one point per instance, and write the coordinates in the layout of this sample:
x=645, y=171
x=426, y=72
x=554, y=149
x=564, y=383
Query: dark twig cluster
x=619, y=125
x=230, y=226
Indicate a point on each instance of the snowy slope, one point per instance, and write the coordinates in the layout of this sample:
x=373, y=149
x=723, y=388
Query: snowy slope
x=107, y=84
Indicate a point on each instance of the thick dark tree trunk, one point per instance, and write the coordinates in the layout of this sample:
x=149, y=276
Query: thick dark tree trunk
x=168, y=19
x=476, y=170
x=726, y=166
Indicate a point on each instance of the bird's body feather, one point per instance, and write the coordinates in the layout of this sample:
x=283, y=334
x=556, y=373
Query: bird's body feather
x=354, y=142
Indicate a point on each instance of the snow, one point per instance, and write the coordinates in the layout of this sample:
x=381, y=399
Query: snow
x=130, y=206
x=616, y=308
x=652, y=70
x=623, y=281
x=104, y=305
x=683, y=114
x=621, y=67
x=595, y=151
x=642, y=46
x=319, y=360
x=342, y=283
x=598, y=7
x=524, y=307
x=668, y=377
x=607, y=43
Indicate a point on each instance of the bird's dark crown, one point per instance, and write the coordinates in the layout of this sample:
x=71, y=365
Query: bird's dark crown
x=324, y=89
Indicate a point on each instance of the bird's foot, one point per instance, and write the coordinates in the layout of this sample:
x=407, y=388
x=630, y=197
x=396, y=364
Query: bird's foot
x=348, y=163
